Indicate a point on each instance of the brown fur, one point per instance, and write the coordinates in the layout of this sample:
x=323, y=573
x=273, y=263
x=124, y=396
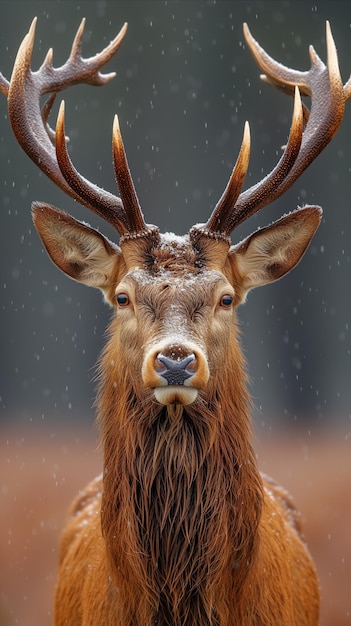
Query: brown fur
x=180, y=529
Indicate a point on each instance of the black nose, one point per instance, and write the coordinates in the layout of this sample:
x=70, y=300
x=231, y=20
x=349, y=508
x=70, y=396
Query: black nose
x=176, y=371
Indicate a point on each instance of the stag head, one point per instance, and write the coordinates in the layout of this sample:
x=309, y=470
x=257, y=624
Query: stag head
x=175, y=296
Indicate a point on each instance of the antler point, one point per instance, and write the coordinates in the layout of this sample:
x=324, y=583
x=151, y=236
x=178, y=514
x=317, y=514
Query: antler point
x=106, y=78
x=49, y=57
x=116, y=121
x=117, y=141
x=314, y=57
x=82, y=24
x=331, y=48
x=33, y=24
x=247, y=33
x=31, y=34
x=60, y=122
x=297, y=95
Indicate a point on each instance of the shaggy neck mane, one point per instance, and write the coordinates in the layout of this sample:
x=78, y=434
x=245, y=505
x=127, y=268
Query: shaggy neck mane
x=181, y=500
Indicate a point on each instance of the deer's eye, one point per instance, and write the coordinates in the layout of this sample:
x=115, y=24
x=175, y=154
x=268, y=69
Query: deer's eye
x=226, y=301
x=122, y=299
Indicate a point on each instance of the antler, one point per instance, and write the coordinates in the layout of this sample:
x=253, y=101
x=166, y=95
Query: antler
x=38, y=139
x=310, y=132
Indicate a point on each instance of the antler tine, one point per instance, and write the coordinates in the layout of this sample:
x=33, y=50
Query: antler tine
x=105, y=204
x=136, y=223
x=126, y=215
x=259, y=195
x=230, y=195
x=328, y=96
x=25, y=116
x=326, y=113
x=91, y=75
x=99, y=59
x=277, y=74
x=77, y=69
x=30, y=124
x=45, y=112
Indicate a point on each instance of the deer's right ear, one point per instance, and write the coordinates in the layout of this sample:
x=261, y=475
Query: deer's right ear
x=271, y=252
x=78, y=250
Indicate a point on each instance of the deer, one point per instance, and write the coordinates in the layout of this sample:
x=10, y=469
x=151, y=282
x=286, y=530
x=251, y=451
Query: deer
x=181, y=528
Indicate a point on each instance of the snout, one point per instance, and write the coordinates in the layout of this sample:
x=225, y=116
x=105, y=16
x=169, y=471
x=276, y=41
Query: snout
x=176, y=372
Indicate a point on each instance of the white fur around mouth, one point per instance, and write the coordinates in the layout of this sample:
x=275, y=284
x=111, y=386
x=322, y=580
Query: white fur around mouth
x=175, y=394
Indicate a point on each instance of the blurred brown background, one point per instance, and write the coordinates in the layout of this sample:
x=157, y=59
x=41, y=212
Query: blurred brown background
x=41, y=472
x=185, y=86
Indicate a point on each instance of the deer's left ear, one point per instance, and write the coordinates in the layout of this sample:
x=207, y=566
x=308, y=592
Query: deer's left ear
x=271, y=252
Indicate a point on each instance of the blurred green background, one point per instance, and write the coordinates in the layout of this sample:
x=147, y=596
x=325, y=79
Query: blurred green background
x=185, y=85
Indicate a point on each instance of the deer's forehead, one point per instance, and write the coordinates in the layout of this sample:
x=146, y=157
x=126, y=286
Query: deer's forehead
x=184, y=283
